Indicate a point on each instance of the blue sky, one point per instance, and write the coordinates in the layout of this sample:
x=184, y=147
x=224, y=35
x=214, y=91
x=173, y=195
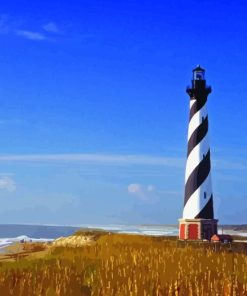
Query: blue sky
x=94, y=114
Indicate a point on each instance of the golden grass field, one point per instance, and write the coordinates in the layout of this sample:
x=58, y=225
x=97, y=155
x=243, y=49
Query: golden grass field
x=121, y=264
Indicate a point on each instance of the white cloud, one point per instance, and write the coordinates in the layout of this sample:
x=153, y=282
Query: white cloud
x=7, y=183
x=150, y=188
x=51, y=27
x=99, y=159
x=8, y=26
x=230, y=165
x=149, y=193
x=134, y=188
x=31, y=35
x=144, y=193
x=119, y=160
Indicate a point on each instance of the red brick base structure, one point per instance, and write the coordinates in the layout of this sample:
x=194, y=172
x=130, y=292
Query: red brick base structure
x=197, y=229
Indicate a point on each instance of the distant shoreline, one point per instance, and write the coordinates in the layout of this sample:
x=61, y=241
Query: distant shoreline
x=34, y=231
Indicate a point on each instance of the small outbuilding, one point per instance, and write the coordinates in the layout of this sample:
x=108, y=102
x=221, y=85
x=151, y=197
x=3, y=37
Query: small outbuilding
x=223, y=238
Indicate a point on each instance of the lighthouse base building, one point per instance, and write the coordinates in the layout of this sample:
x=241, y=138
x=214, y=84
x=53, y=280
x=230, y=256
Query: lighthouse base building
x=197, y=229
x=198, y=222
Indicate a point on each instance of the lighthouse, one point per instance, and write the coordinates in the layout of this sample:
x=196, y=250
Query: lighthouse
x=198, y=221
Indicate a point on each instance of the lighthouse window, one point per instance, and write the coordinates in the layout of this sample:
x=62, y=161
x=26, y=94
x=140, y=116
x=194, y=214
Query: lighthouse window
x=205, y=195
x=199, y=75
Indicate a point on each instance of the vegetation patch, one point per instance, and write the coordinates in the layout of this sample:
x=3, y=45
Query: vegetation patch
x=122, y=264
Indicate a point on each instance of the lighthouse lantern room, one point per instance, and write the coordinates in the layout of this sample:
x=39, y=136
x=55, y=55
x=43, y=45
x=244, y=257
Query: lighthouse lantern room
x=198, y=73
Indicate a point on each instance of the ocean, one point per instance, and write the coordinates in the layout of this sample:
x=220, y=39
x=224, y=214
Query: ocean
x=11, y=233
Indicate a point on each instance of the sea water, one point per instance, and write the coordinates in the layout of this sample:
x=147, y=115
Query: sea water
x=10, y=234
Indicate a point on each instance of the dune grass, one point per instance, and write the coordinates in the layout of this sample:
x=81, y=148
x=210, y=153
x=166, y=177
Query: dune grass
x=121, y=264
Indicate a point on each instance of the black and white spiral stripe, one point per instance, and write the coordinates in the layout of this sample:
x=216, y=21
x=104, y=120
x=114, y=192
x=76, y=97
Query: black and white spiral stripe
x=198, y=200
